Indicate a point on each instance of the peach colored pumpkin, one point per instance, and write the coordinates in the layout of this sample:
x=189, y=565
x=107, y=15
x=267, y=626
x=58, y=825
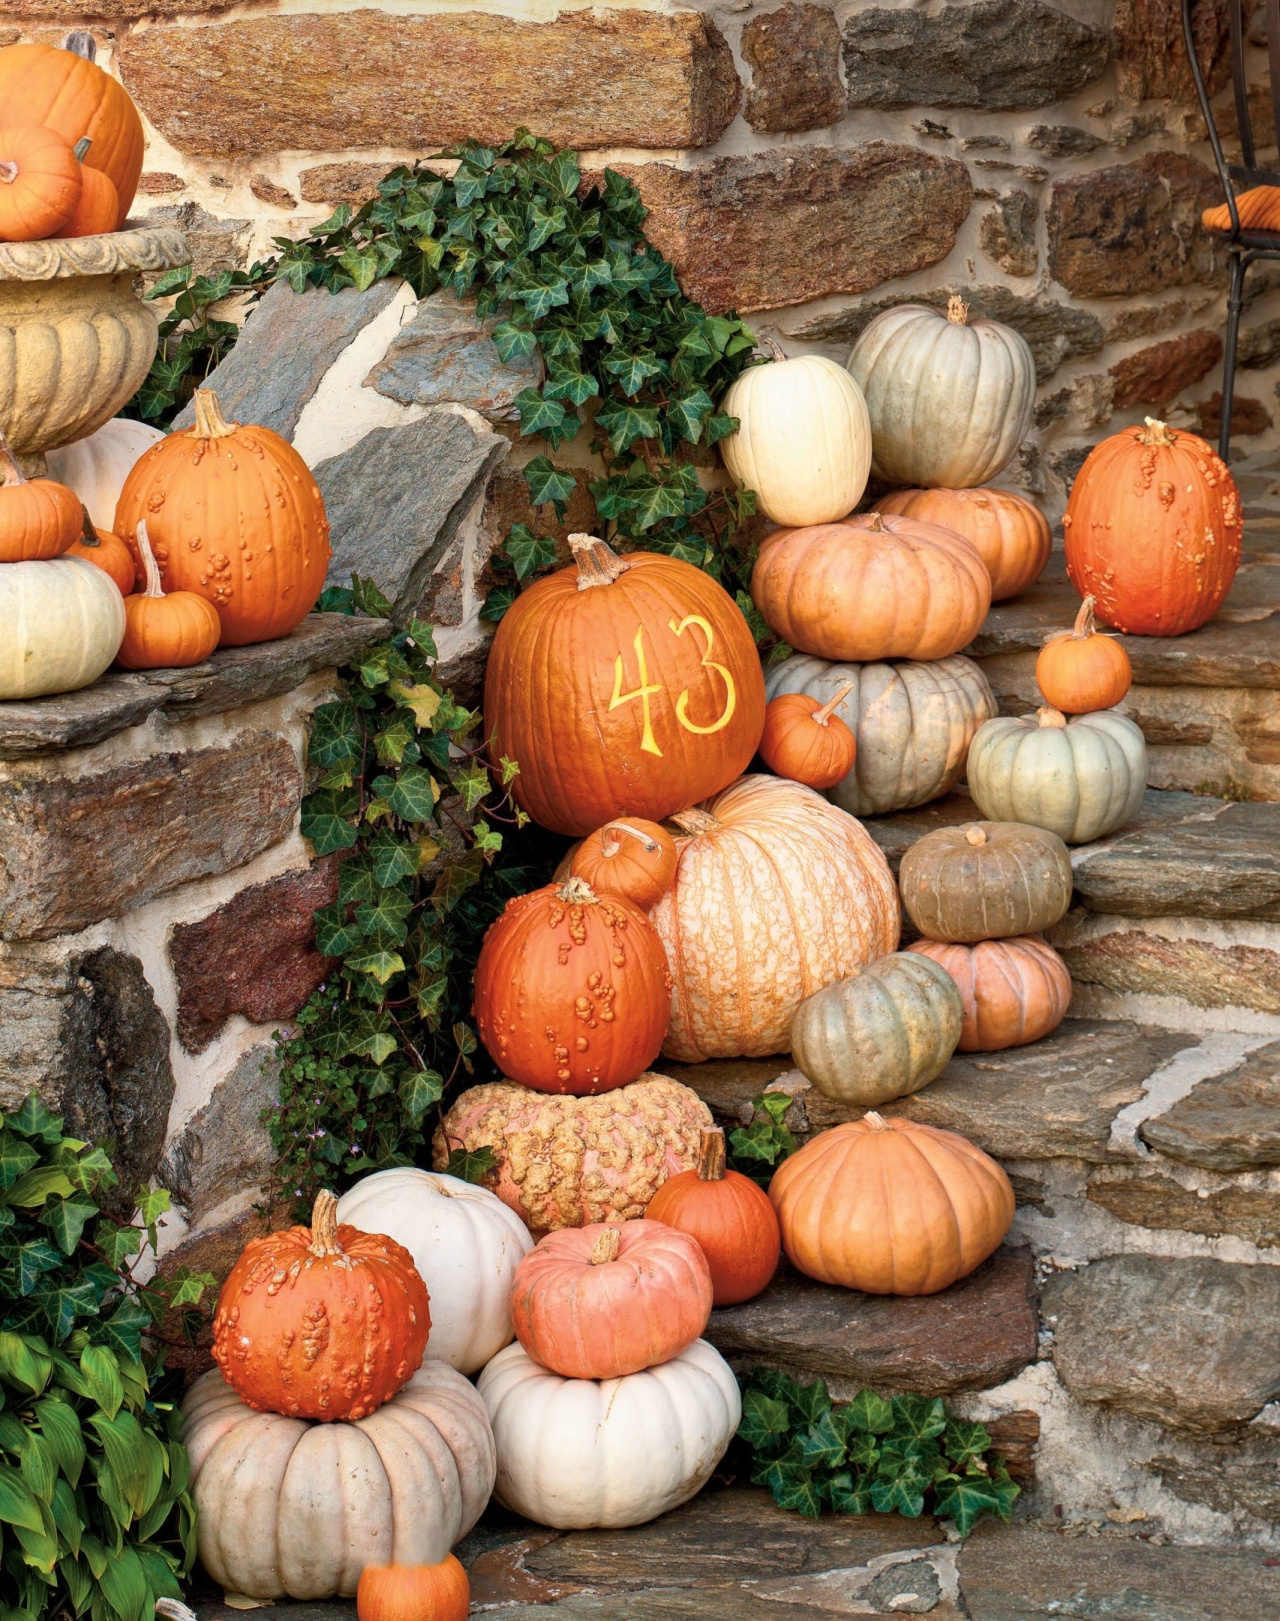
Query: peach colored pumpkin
x=1010, y=533
x=1014, y=991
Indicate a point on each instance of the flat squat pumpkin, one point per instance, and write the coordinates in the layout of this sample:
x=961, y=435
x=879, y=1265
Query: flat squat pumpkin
x=986, y=881
x=1014, y=991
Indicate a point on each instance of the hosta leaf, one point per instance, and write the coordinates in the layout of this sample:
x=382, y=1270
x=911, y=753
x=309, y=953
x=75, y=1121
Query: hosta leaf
x=35, y=1186
x=20, y=1365
x=18, y=1504
x=101, y=1375
x=39, y=1469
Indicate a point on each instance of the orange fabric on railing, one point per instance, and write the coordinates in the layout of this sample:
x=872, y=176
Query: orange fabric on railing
x=1259, y=210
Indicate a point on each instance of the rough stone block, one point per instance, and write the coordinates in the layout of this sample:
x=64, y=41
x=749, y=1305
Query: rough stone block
x=1157, y=375
x=1008, y=234
x=1227, y=1477
x=1248, y=416
x=794, y=57
x=216, y=244
x=446, y=353
x=1158, y=1200
x=224, y=1150
x=353, y=183
x=1061, y=140
x=1227, y=1122
x=1175, y=957
x=214, y=1249
x=1151, y=51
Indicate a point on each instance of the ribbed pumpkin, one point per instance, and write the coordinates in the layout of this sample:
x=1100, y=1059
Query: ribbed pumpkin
x=623, y=686
x=321, y=1322
x=1014, y=991
x=628, y=857
x=1009, y=533
x=729, y=1215
x=38, y=518
x=98, y=207
x=890, y=1207
x=235, y=515
x=806, y=741
x=572, y=991
x=61, y=623
x=106, y=552
x=872, y=588
x=165, y=631
x=414, y=1592
x=880, y=1034
x=39, y=183
x=1152, y=530
x=603, y=1301
x=1079, y=670
x=913, y=723
x=777, y=893
x=986, y=881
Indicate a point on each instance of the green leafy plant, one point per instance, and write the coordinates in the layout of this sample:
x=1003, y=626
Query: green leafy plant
x=192, y=338
x=891, y=1454
x=758, y=1149
x=95, y=1516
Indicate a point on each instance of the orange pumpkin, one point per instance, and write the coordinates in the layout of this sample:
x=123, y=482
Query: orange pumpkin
x=62, y=88
x=236, y=516
x=891, y=1207
x=872, y=588
x=1014, y=991
x=1010, y=533
x=572, y=991
x=321, y=1322
x=603, y=1301
x=1152, y=530
x=729, y=1215
x=39, y=184
x=414, y=1592
x=623, y=686
x=99, y=206
x=164, y=632
x=105, y=551
x=636, y=859
x=38, y=518
x=1079, y=671
x=807, y=741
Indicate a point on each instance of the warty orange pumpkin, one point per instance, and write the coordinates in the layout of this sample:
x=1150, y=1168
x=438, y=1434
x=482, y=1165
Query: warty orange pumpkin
x=1079, y=670
x=1010, y=533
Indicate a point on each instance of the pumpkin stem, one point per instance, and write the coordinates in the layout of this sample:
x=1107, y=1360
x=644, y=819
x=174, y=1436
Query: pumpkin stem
x=149, y=564
x=1084, y=626
x=210, y=422
x=81, y=43
x=610, y=849
x=173, y=1609
x=597, y=563
x=81, y=148
x=324, y=1225
x=694, y=820
x=772, y=348
x=1048, y=716
x=957, y=311
x=875, y=522
x=88, y=534
x=1157, y=433
x=8, y=172
x=577, y=892
x=877, y=1122
x=605, y=1248
x=823, y=715
x=975, y=835
x=711, y=1154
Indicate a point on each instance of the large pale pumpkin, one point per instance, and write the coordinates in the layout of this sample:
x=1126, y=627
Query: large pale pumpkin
x=291, y=1509
x=1152, y=530
x=623, y=686
x=567, y=1161
x=890, y=1207
x=1010, y=533
x=574, y=1453
x=913, y=723
x=1079, y=778
x=466, y=1245
x=986, y=881
x=61, y=624
x=97, y=466
x=872, y=588
x=803, y=442
x=1014, y=991
x=776, y=894
x=950, y=399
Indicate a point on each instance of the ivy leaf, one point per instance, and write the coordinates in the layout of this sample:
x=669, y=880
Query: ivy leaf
x=964, y=1442
x=720, y=426
x=391, y=860
x=548, y=482
x=920, y=1417
x=422, y=698
x=689, y=412
x=472, y=783
x=538, y=415
x=847, y=1495
x=528, y=551
x=497, y=603
x=456, y=878
x=822, y=1446
x=900, y=1491
x=336, y=736
x=811, y=1401
x=656, y=502
x=793, y=1488
x=963, y=1500
x=385, y=918
x=868, y=1412
x=765, y=1421
x=471, y=1164
x=412, y=795
x=325, y=819
x=419, y=1091
x=380, y=965
x=626, y=423
x=513, y=342
x=66, y=1220
x=392, y=741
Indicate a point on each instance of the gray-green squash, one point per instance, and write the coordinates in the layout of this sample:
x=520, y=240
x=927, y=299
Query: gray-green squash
x=985, y=881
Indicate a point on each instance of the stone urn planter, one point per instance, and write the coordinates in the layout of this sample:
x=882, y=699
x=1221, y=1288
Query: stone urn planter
x=76, y=339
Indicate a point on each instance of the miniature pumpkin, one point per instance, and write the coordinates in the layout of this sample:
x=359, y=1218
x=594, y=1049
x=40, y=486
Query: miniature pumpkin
x=567, y=1161
x=603, y=1301
x=466, y=1245
x=99, y=206
x=105, y=551
x=806, y=741
x=730, y=1217
x=1010, y=534
x=1079, y=778
x=1014, y=991
x=890, y=1207
x=163, y=631
x=293, y=1509
x=574, y=1453
x=1152, y=530
x=1079, y=670
x=628, y=857
x=803, y=441
x=880, y=1034
x=913, y=723
x=96, y=467
x=235, y=515
x=950, y=399
x=38, y=518
x=61, y=623
x=623, y=686
x=986, y=881
x=39, y=183
x=572, y=992
x=322, y=1321
x=872, y=588
x=414, y=1592
x=776, y=894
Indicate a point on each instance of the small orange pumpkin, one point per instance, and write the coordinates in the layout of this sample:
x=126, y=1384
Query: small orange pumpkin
x=164, y=632
x=99, y=205
x=1014, y=991
x=414, y=1592
x=806, y=741
x=635, y=858
x=38, y=517
x=1010, y=533
x=39, y=184
x=321, y=1322
x=1079, y=671
x=105, y=551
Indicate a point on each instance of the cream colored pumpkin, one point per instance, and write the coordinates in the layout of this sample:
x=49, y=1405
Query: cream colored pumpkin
x=950, y=399
x=1079, y=778
x=61, y=624
x=803, y=442
x=466, y=1245
x=292, y=1509
x=777, y=893
x=574, y=1453
x=96, y=467
x=913, y=722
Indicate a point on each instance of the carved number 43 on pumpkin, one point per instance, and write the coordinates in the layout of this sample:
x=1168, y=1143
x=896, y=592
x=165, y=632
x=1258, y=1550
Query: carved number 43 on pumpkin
x=642, y=692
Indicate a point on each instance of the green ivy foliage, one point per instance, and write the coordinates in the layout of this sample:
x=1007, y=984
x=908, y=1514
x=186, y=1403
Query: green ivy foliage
x=95, y=1515
x=758, y=1149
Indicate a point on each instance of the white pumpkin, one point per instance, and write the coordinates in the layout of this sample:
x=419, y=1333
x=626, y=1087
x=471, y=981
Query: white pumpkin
x=803, y=442
x=1079, y=779
x=950, y=399
x=97, y=466
x=292, y=1509
x=574, y=1453
x=913, y=721
x=61, y=624
x=465, y=1243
